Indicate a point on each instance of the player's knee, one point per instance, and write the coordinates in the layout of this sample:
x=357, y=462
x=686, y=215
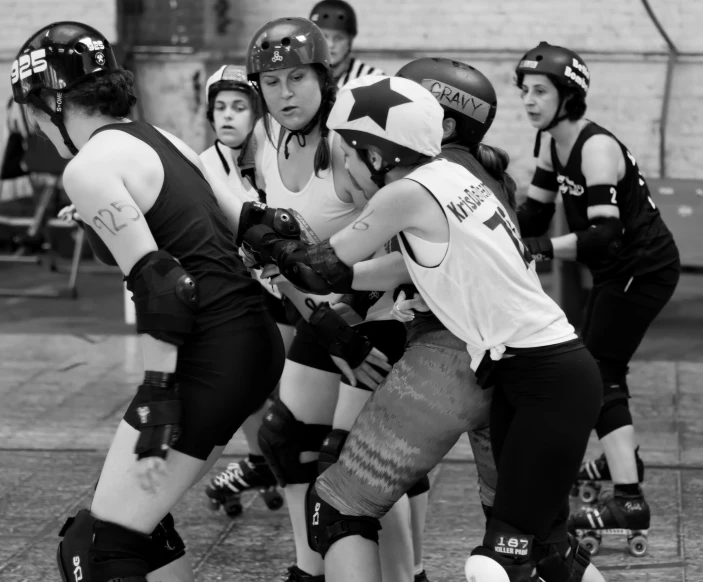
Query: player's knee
x=326, y=525
x=166, y=544
x=93, y=550
x=283, y=438
x=331, y=449
x=483, y=567
x=422, y=486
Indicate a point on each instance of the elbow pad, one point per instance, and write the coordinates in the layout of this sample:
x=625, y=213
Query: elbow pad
x=603, y=240
x=311, y=268
x=534, y=217
x=99, y=248
x=281, y=221
x=165, y=297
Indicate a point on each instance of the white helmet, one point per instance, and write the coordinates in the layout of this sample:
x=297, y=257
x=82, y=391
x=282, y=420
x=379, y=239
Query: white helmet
x=227, y=77
x=399, y=117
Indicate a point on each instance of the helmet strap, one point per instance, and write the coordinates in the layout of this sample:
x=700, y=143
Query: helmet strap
x=301, y=133
x=378, y=177
x=556, y=120
x=56, y=117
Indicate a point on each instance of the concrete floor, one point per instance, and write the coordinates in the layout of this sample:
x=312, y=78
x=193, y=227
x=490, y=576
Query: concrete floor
x=69, y=368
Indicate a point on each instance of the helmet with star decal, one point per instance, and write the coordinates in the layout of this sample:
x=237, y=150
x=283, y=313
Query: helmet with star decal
x=396, y=116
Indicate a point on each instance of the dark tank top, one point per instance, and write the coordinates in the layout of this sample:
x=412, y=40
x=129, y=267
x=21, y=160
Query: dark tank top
x=647, y=243
x=187, y=222
x=459, y=154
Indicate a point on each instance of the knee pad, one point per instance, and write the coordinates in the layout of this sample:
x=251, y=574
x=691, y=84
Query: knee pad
x=93, y=550
x=283, y=438
x=565, y=561
x=422, y=486
x=613, y=415
x=166, y=544
x=481, y=567
x=326, y=525
x=331, y=449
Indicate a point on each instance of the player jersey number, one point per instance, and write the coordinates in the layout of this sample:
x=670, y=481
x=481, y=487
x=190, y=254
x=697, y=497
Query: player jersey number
x=500, y=219
x=26, y=65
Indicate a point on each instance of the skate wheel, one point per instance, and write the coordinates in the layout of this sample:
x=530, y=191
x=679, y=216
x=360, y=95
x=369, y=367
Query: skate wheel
x=591, y=544
x=637, y=545
x=574, y=491
x=233, y=506
x=588, y=493
x=213, y=504
x=272, y=499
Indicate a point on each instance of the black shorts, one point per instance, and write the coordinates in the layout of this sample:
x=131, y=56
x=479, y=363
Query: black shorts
x=224, y=373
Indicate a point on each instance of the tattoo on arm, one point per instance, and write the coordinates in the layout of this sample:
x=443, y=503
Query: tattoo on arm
x=360, y=224
x=116, y=217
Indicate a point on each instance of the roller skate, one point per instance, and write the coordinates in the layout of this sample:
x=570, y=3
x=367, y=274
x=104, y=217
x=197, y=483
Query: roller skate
x=295, y=574
x=625, y=515
x=225, y=490
x=594, y=474
x=421, y=577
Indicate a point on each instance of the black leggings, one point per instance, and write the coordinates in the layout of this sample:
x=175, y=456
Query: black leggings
x=545, y=403
x=618, y=315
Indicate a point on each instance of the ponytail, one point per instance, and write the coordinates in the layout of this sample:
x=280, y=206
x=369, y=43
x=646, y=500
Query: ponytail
x=495, y=161
x=323, y=156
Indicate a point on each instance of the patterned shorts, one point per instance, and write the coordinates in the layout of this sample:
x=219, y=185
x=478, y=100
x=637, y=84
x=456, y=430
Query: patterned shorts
x=407, y=427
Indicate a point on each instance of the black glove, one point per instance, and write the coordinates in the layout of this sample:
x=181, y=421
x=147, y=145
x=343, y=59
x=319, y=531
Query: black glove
x=540, y=247
x=338, y=336
x=281, y=221
x=159, y=412
x=259, y=241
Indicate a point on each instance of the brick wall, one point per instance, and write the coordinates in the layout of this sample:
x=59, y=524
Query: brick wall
x=618, y=40
x=22, y=18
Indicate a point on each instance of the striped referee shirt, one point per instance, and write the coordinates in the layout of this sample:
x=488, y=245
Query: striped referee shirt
x=357, y=69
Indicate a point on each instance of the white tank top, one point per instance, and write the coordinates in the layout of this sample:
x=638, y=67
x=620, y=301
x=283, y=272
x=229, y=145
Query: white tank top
x=484, y=290
x=381, y=309
x=317, y=207
x=426, y=253
x=212, y=161
x=239, y=186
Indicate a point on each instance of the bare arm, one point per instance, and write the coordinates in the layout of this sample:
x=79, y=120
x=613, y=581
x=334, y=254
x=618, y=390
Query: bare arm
x=230, y=204
x=381, y=274
x=601, y=158
x=396, y=207
x=114, y=215
x=544, y=161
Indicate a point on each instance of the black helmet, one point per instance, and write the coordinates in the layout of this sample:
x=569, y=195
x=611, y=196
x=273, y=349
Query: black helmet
x=335, y=15
x=563, y=66
x=465, y=94
x=57, y=58
x=284, y=43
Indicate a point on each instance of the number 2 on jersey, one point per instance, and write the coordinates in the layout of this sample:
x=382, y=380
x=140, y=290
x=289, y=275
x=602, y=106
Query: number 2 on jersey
x=499, y=218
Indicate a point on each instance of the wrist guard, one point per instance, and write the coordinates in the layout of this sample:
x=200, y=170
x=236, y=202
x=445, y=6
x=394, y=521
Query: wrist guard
x=281, y=221
x=159, y=413
x=338, y=337
x=540, y=247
